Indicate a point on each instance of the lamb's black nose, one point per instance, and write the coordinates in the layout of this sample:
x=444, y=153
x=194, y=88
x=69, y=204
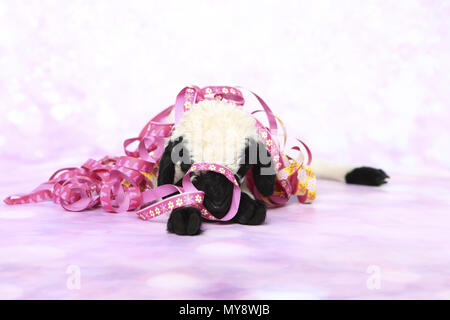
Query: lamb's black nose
x=218, y=192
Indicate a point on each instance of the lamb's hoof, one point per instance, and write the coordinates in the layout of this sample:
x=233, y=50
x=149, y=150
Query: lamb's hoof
x=366, y=176
x=184, y=221
x=251, y=212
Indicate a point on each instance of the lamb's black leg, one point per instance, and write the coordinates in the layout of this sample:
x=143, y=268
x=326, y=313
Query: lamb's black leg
x=185, y=221
x=250, y=212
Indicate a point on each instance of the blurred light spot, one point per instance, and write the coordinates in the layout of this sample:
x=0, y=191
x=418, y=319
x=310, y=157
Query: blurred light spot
x=10, y=292
x=60, y=111
x=107, y=117
x=15, y=116
x=31, y=253
x=400, y=276
x=225, y=233
x=445, y=294
x=28, y=119
x=276, y=294
x=173, y=281
x=18, y=98
x=51, y=96
x=224, y=249
x=14, y=214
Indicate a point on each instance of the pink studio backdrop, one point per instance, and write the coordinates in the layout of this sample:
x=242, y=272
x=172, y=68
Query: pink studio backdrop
x=361, y=82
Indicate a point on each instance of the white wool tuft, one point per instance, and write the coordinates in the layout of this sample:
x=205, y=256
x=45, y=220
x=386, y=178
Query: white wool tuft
x=216, y=131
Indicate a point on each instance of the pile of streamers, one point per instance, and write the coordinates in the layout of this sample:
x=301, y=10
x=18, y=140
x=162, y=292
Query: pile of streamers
x=128, y=182
x=115, y=183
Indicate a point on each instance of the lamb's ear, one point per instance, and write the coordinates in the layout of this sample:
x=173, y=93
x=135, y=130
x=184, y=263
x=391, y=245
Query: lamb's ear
x=166, y=170
x=262, y=168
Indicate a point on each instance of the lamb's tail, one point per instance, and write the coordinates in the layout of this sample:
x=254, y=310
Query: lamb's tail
x=353, y=175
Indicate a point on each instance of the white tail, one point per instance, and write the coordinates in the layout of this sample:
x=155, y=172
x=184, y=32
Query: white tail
x=350, y=174
x=330, y=171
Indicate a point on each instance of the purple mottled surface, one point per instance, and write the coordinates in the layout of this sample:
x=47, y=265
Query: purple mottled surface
x=360, y=82
x=326, y=250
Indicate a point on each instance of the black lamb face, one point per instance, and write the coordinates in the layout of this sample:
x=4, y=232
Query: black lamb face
x=176, y=162
x=217, y=188
x=218, y=191
x=217, y=133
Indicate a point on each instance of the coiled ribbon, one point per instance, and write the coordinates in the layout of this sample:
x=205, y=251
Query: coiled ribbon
x=128, y=182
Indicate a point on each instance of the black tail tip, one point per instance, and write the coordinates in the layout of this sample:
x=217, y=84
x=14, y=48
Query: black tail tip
x=367, y=176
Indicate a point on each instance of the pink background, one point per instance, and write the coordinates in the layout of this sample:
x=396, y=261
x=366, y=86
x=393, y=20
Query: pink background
x=369, y=82
x=363, y=82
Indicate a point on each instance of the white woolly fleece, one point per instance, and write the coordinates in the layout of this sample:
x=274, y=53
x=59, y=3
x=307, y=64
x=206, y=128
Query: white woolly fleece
x=216, y=131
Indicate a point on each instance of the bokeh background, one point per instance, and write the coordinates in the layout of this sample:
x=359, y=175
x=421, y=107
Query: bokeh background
x=364, y=82
x=361, y=82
